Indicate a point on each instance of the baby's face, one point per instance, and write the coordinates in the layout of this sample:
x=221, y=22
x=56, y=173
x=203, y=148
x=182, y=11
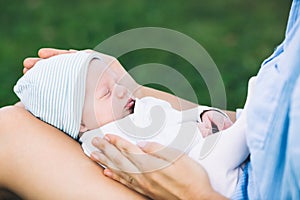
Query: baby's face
x=105, y=99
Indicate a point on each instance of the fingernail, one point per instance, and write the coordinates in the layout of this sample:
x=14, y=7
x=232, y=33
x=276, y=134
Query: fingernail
x=107, y=138
x=95, y=156
x=142, y=144
x=96, y=141
x=107, y=173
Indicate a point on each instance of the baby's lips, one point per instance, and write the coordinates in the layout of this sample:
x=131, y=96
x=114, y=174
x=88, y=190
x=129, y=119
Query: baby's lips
x=130, y=103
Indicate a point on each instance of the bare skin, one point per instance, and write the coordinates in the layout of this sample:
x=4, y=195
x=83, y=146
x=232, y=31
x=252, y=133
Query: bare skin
x=40, y=162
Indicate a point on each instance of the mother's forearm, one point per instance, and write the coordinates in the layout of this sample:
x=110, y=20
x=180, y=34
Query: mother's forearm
x=176, y=102
x=40, y=162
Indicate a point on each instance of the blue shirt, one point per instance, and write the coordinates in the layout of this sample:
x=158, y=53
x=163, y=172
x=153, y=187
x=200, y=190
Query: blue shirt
x=273, y=121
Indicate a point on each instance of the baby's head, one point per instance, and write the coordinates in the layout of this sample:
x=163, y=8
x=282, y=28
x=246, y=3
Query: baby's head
x=74, y=92
x=105, y=99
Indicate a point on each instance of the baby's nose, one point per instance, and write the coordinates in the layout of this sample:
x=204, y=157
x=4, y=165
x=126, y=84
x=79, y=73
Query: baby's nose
x=121, y=91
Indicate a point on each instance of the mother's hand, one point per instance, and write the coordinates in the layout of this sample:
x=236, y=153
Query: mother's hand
x=123, y=76
x=43, y=53
x=153, y=170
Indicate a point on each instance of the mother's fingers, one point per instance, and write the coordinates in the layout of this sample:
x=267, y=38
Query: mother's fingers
x=100, y=158
x=133, y=153
x=114, y=156
x=43, y=53
x=49, y=52
x=162, y=152
x=130, y=180
x=110, y=169
x=29, y=63
x=122, y=144
x=143, y=161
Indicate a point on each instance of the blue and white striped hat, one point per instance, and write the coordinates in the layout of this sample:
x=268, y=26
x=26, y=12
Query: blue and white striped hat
x=54, y=90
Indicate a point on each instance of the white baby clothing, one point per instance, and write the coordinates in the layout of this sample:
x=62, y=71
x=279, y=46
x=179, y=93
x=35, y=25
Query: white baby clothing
x=155, y=120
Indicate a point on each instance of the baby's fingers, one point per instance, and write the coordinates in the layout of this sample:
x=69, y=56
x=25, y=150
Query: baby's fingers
x=205, y=131
x=227, y=123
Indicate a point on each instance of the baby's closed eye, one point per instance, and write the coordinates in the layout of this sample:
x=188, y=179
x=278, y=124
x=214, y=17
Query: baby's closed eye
x=104, y=92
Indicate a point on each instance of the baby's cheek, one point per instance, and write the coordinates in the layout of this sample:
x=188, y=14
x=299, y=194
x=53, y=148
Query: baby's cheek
x=117, y=110
x=100, y=115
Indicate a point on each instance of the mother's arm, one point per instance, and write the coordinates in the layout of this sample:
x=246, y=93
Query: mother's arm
x=40, y=162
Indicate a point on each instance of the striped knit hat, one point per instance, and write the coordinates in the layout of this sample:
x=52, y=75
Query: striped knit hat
x=54, y=90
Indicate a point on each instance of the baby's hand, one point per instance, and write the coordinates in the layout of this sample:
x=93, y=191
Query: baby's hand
x=213, y=121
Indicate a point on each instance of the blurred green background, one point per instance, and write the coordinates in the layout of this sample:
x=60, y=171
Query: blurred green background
x=238, y=34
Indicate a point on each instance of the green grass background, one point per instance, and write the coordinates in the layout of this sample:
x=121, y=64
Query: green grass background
x=238, y=34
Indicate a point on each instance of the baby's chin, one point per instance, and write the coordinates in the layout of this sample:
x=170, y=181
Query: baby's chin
x=126, y=113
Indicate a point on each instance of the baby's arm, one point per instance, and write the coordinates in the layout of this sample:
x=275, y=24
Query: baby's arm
x=229, y=147
x=222, y=154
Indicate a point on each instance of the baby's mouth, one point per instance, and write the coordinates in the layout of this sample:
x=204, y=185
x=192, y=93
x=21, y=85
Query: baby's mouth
x=130, y=105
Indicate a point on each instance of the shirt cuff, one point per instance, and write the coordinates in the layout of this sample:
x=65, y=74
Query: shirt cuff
x=238, y=112
x=203, y=109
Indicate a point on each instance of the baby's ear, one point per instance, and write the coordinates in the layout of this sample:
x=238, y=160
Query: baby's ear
x=83, y=128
